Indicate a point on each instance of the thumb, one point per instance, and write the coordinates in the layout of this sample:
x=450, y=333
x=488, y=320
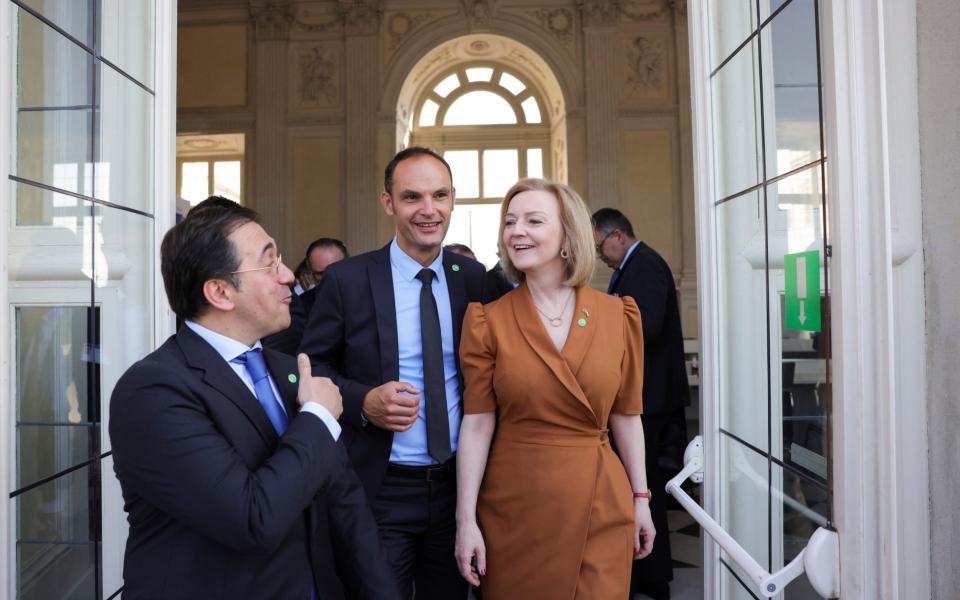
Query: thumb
x=481, y=554
x=303, y=364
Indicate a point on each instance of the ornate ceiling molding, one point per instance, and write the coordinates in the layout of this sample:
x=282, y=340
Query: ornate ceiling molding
x=271, y=19
x=360, y=17
x=599, y=13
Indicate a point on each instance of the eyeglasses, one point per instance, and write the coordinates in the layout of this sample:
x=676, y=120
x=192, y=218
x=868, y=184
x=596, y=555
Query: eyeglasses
x=599, y=244
x=275, y=265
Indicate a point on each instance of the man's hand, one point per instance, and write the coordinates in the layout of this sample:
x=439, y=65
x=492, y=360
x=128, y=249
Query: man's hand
x=391, y=405
x=317, y=389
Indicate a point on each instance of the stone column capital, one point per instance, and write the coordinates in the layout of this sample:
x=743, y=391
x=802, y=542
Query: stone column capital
x=271, y=19
x=360, y=17
x=599, y=13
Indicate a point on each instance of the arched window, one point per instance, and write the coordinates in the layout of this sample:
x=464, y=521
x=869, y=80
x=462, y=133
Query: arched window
x=488, y=122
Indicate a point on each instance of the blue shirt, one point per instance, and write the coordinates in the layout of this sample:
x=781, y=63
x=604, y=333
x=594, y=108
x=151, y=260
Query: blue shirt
x=229, y=348
x=410, y=446
x=630, y=250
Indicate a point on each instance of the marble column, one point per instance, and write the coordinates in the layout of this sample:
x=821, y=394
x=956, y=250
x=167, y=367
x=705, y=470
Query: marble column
x=272, y=30
x=362, y=82
x=601, y=44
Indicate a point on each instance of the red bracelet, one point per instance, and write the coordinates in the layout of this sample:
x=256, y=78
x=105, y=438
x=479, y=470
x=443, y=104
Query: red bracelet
x=647, y=495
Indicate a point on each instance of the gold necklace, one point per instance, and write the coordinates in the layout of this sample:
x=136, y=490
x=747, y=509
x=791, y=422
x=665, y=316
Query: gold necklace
x=558, y=320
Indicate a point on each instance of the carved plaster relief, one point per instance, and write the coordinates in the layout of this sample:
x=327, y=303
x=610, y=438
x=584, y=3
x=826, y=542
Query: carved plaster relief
x=645, y=10
x=560, y=22
x=597, y=13
x=646, y=67
x=478, y=12
x=315, y=77
x=271, y=20
x=360, y=17
x=315, y=18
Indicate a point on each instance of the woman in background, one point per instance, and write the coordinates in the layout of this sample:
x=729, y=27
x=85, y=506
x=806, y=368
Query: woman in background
x=545, y=509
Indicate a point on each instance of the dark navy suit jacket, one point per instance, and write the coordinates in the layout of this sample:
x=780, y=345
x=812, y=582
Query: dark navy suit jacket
x=219, y=505
x=351, y=337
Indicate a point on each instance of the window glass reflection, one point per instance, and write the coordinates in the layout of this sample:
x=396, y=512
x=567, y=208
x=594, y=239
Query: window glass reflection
x=736, y=116
x=795, y=105
x=480, y=108
x=446, y=86
x=466, y=172
x=476, y=226
x=501, y=170
x=73, y=16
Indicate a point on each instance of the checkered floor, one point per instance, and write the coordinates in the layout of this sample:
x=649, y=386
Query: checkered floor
x=686, y=545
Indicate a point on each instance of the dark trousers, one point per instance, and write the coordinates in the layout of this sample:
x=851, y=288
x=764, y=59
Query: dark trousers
x=657, y=567
x=415, y=510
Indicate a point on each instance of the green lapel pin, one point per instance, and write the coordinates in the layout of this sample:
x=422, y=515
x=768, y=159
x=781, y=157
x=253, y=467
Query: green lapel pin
x=582, y=322
x=292, y=378
x=455, y=268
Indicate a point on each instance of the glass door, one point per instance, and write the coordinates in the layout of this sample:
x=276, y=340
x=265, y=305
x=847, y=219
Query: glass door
x=769, y=251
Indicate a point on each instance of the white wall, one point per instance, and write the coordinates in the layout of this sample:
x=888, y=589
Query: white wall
x=939, y=95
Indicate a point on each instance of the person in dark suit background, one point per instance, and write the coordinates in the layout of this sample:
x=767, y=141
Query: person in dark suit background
x=227, y=454
x=386, y=329
x=321, y=253
x=497, y=283
x=641, y=273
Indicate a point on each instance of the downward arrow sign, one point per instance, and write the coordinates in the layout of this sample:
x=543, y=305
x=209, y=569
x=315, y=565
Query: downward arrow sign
x=803, y=315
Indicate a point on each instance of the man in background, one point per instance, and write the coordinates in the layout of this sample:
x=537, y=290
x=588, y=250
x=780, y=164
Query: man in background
x=641, y=273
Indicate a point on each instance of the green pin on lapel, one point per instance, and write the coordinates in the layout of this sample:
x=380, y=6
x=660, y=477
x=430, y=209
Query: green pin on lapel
x=455, y=268
x=582, y=322
x=292, y=378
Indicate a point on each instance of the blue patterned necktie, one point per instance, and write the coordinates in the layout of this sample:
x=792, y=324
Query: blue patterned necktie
x=257, y=369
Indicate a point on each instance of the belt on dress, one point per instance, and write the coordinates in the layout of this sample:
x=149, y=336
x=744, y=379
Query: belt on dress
x=426, y=472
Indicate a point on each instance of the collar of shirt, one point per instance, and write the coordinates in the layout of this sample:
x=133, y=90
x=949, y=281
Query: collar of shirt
x=408, y=268
x=626, y=256
x=226, y=347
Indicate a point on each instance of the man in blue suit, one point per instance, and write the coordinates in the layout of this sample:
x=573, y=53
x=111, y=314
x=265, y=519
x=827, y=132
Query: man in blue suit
x=227, y=454
x=386, y=328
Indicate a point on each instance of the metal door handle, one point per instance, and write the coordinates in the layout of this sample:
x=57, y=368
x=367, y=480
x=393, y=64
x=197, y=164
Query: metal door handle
x=820, y=560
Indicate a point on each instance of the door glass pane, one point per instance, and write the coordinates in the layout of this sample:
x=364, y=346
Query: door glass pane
x=741, y=268
x=56, y=554
x=744, y=506
x=73, y=16
x=732, y=588
x=803, y=506
x=501, y=169
x=795, y=212
x=731, y=21
x=54, y=106
x=736, y=114
x=125, y=162
x=465, y=165
x=56, y=421
x=128, y=37
x=123, y=240
x=793, y=109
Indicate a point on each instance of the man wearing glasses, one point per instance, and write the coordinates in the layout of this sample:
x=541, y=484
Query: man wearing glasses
x=641, y=273
x=231, y=490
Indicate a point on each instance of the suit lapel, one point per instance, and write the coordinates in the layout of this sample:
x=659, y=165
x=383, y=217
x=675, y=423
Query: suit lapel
x=381, y=285
x=580, y=337
x=219, y=376
x=528, y=321
x=457, y=290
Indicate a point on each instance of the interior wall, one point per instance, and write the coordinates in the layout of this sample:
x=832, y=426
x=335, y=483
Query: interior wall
x=315, y=84
x=939, y=97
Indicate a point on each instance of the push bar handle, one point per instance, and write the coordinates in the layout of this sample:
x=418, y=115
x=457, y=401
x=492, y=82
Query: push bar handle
x=820, y=560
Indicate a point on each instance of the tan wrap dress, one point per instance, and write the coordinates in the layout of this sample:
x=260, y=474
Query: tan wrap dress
x=555, y=506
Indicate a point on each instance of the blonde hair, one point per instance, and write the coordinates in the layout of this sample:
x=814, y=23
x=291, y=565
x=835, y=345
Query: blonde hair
x=577, y=231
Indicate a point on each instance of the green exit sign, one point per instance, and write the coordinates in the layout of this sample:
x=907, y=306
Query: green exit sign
x=801, y=273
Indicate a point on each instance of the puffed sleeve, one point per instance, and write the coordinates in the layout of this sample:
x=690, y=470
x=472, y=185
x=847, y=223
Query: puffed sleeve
x=477, y=361
x=630, y=396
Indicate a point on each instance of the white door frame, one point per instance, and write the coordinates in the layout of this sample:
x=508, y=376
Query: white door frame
x=869, y=61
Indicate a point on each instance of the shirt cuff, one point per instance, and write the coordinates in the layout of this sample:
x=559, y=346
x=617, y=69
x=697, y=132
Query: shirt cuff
x=324, y=415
